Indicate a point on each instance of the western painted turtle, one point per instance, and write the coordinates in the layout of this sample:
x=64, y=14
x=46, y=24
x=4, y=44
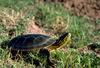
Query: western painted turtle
x=43, y=43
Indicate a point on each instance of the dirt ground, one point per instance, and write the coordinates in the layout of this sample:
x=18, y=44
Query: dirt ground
x=87, y=8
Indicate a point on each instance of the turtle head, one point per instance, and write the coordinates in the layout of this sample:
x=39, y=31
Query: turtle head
x=63, y=40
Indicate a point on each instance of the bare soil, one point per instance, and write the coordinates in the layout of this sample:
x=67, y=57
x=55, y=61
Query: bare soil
x=89, y=8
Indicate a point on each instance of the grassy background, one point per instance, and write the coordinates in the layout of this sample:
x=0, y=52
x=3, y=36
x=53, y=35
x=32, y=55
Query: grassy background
x=16, y=13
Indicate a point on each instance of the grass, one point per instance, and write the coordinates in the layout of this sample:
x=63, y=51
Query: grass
x=16, y=14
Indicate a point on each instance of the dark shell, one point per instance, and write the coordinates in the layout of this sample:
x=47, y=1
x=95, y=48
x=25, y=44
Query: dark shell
x=30, y=41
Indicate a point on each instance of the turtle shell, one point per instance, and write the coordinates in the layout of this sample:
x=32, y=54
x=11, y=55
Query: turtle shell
x=30, y=41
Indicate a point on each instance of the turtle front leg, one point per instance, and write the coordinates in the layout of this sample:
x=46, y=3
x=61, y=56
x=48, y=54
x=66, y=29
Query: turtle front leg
x=45, y=53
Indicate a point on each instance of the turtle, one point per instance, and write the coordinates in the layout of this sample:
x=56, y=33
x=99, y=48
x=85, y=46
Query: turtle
x=43, y=44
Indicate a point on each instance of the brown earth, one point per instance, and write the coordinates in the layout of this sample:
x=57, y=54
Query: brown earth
x=87, y=8
x=34, y=28
x=90, y=8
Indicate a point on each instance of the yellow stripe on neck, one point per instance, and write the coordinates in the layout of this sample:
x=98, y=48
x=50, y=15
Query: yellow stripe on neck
x=60, y=43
